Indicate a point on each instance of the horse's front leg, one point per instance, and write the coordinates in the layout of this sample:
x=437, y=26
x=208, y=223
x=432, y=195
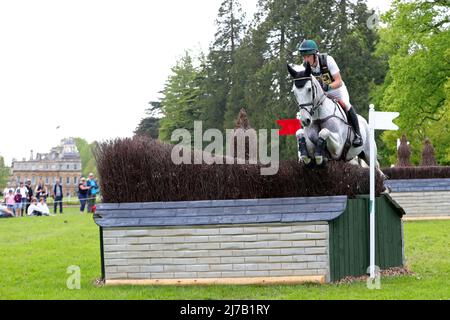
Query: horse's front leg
x=304, y=144
x=329, y=140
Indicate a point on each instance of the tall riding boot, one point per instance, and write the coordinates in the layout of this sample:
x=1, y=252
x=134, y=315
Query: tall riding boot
x=353, y=119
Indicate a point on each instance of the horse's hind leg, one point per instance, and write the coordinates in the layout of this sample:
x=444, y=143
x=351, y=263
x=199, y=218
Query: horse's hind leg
x=303, y=145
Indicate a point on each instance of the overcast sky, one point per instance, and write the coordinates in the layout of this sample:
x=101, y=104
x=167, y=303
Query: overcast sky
x=91, y=66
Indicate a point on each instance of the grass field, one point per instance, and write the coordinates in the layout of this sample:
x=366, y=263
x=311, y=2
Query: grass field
x=36, y=252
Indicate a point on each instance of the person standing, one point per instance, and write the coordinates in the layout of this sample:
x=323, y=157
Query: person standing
x=9, y=200
x=18, y=203
x=41, y=190
x=29, y=194
x=92, y=193
x=22, y=189
x=57, y=194
x=82, y=193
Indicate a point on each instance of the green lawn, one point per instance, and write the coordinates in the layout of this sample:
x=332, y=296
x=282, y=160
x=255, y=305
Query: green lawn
x=35, y=253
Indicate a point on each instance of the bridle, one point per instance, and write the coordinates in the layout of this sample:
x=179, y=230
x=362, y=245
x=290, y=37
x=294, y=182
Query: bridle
x=314, y=106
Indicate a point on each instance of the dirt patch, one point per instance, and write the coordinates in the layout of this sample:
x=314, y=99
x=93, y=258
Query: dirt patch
x=391, y=272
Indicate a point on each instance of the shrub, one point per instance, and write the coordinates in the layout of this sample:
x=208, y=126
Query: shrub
x=139, y=169
x=434, y=172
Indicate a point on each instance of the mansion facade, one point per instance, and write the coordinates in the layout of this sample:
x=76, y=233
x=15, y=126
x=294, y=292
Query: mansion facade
x=63, y=163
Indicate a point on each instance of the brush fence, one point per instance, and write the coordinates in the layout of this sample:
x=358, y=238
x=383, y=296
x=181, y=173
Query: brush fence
x=422, y=198
x=289, y=240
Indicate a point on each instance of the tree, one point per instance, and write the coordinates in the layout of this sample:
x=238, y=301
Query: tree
x=88, y=162
x=416, y=42
x=149, y=125
x=404, y=153
x=219, y=64
x=181, y=97
x=4, y=172
x=428, y=158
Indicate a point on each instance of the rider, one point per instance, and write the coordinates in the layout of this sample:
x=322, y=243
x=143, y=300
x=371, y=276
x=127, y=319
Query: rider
x=326, y=68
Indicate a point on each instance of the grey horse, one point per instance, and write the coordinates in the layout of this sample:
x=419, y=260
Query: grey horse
x=325, y=132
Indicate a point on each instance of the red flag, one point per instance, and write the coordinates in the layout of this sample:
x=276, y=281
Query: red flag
x=289, y=127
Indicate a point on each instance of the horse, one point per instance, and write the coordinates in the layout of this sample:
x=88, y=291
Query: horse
x=325, y=132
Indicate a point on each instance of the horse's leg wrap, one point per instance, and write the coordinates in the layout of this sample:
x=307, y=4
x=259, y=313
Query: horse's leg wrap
x=320, y=147
x=303, y=149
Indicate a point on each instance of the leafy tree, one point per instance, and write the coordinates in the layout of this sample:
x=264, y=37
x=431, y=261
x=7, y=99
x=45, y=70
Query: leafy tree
x=4, y=172
x=220, y=61
x=182, y=93
x=149, y=125
x=88, y=162
x=416, y=41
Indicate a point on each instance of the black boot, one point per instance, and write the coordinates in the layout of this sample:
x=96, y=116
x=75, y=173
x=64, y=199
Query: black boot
x=353, y=119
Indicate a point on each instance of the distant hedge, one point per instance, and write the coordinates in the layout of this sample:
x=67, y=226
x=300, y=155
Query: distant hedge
x=434, y=172
x=140, y=170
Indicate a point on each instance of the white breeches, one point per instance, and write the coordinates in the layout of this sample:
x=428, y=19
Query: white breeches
x=341, y=94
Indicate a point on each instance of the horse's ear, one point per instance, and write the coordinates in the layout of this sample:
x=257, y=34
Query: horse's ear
x=308, y=70
x=292, y=71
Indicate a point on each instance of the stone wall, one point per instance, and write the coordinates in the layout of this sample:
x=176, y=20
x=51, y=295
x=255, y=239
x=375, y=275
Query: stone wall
x=220, y=251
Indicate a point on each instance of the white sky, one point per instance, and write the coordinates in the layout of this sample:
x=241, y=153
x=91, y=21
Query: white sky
x=91, y=66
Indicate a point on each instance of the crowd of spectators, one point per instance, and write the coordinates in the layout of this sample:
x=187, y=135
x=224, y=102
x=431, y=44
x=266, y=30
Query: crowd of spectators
x=27, y=201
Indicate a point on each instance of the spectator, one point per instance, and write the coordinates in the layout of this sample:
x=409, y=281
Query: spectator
x=5, y=212
x=24, y=193
x=57, y=194
x=33, y=209
x=29, y=194
x=18, y=203
x=42, y=207
x=82, y=193
x=6, y=190
x=92, y=193
x=9, y=200
x=41, y=190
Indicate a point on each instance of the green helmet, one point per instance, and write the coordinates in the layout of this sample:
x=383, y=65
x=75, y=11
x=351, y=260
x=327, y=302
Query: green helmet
x=308, y=47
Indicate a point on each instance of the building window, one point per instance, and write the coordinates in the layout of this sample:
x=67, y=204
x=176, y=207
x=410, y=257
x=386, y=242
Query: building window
x=54, y=180
x=75, y=180
x=33, y=180
x=68, y=180
x=74, y=167
x=68, y=167
x=46, y=180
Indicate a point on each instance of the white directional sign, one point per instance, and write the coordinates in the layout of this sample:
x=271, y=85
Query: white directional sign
x=383, y=120
x=377, y=121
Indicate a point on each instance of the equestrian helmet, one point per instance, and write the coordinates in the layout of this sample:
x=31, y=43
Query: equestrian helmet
x=308, y=47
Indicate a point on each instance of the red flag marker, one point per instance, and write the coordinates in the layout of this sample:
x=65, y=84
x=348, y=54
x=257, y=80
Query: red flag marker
x=289, y=127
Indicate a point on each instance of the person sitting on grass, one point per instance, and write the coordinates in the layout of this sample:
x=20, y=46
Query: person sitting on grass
x=5, y=212
x=42, y=205
x=33, y=209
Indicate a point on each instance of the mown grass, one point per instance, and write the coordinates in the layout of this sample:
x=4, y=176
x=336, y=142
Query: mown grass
x=36, y=252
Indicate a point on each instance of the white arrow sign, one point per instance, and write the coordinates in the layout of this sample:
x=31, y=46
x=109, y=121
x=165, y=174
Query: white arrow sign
x=383, y=120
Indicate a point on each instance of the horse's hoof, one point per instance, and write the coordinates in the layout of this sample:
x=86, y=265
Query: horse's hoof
x=319, y=160
x=306, y=160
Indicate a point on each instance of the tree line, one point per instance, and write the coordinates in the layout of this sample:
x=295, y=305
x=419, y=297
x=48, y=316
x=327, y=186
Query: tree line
x=402, y=65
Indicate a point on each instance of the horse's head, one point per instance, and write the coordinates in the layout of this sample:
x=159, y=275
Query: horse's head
x=307, y=92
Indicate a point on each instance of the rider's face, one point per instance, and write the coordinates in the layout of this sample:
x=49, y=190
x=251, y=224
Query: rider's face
x=309, y=58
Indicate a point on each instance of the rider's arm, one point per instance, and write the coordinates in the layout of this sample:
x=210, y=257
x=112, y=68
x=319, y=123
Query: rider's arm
x=337, y=83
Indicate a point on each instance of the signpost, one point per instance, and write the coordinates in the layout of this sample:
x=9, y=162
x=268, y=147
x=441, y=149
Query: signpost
x=377, y=121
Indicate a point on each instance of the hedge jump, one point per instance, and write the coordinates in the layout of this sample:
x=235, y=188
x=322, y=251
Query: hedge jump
x=286, y=240
x=422, y=198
